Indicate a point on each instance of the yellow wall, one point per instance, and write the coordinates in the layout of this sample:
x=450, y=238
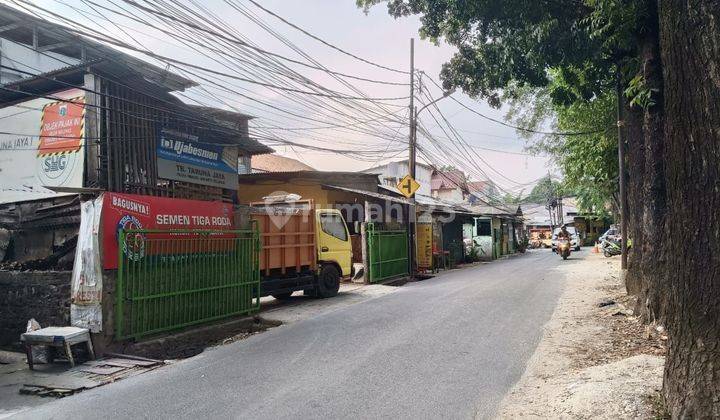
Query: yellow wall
x=307, y=189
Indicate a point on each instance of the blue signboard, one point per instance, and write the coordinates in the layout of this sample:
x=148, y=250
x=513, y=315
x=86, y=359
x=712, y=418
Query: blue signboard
x=182, y=157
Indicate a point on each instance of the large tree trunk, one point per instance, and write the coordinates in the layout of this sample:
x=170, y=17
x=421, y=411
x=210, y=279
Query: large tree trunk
x=635, y=163
x=647, y=191
x=690, y=46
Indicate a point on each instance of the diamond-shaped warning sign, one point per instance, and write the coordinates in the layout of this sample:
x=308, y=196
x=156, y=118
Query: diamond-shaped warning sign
x=408, y=186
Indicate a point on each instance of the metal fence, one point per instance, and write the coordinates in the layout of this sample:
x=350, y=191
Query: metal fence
x=169, y=279
x=387, y=253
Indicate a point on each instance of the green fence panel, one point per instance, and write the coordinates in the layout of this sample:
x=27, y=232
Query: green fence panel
x=170, y=279
x=387, y=253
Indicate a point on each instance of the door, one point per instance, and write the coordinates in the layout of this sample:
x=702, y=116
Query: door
x=333, y=242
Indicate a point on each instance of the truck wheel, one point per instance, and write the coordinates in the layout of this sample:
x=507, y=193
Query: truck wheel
x=328, y=282
x=282, y=296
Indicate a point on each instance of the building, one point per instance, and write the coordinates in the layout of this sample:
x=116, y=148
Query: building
x=390, y=174
x=79, y=120
x=108, y=122
x=481, y=192
x=450, y=186
x=498, y=229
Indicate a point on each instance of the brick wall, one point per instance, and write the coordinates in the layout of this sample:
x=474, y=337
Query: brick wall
x=43, y=295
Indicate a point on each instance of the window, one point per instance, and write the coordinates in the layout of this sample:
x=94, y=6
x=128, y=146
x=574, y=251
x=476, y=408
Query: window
x=333, y=225
x=483, y=228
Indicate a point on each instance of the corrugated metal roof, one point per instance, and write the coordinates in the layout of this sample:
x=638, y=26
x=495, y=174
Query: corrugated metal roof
x=368, y=194
x=96, y=49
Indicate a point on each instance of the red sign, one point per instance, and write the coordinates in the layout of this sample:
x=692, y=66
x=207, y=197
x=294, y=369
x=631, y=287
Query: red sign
x=62, y=127
x=129, y=211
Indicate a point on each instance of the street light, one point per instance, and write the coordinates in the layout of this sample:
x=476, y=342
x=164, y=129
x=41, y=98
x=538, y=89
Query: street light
x=436, y=100
x=413, y=139
x=411, y=164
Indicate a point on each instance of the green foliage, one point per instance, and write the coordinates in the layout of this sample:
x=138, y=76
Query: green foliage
x=588, y=162
x=544, y=191
x=639, y=94
x=510, y=198
x=515, y=43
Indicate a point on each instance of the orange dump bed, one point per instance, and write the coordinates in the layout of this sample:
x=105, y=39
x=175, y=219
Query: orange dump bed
x=287, y=237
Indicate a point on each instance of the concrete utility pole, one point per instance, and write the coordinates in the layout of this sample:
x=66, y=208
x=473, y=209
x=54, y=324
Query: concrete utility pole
x=621, y=175
x=411, y=162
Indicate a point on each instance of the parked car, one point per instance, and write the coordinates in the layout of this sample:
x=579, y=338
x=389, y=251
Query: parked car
x=611, y=234
x=574, y=238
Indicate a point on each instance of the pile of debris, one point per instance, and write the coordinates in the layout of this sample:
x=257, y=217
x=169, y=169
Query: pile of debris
x=88, y=375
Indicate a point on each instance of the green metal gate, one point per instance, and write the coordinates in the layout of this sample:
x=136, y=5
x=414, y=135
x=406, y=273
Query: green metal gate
x=387, y=253
x=169, y=279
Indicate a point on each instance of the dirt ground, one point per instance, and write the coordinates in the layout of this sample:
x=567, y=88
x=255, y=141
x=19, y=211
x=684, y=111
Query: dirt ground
x=595, y=359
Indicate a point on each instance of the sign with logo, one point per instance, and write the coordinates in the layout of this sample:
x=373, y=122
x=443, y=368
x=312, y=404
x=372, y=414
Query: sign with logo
x=408, y=186
x=182, y=157
x=44, y=147
x=130, y=211
x=424, y=237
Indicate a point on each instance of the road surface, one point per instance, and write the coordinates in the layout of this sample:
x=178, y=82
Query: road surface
x=448, y=347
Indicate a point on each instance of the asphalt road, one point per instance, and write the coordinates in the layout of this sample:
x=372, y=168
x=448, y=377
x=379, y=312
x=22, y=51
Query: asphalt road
x=448, y=347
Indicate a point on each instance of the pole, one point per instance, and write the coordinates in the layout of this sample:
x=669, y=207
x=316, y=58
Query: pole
x=621, y=175
x=411, y=159
x=412, y=214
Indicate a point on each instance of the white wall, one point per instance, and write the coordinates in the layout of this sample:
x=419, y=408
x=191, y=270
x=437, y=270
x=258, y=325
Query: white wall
x=24, y=57
x=390, y=174
x=454, y=195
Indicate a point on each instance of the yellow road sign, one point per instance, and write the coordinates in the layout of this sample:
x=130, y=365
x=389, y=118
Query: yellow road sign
x=408, y=186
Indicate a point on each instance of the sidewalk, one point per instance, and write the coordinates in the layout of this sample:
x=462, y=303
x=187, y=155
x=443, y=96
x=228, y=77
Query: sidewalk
x=593, y=361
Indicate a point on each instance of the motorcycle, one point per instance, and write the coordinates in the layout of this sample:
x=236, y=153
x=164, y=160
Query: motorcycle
x=611, y=247
x=563, y=248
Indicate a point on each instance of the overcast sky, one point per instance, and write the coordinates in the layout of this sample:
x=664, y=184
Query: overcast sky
x=376, y=37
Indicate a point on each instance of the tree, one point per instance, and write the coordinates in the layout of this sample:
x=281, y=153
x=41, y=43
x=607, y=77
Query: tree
x=544, y=191
x=663, y=57
x=589, y=162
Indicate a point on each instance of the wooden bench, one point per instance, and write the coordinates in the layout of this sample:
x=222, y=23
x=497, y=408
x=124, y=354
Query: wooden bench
x=63, y=337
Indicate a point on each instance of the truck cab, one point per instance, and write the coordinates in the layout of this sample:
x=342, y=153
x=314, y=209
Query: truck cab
x=333, y=241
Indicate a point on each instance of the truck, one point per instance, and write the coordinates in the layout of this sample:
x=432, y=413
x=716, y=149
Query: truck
x=302, y=248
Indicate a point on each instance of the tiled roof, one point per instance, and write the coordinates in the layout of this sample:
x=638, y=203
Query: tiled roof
x=448, y=179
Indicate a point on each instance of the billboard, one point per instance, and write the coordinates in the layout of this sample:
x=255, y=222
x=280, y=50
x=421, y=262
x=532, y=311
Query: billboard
x=181, y=157
x=130, y=211
x=41, y=145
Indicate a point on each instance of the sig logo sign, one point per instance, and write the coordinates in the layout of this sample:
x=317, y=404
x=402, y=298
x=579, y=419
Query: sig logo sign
x=54, y=169
x=134, y=245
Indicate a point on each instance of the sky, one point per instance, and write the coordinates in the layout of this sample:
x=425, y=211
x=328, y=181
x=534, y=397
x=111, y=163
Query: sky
x=374, y=36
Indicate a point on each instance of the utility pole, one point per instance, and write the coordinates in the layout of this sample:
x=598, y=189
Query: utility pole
x=412, y=215
x=412, y=110
x=621, y=175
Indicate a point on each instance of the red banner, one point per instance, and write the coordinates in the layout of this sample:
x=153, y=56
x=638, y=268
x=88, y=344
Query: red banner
x=129, y=211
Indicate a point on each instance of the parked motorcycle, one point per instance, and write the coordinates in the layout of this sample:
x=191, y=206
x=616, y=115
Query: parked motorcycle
x=613, y=246
x=563, y=248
